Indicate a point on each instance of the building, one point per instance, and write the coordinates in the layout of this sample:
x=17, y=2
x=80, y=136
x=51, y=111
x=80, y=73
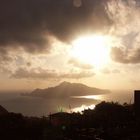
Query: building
x=137, y=102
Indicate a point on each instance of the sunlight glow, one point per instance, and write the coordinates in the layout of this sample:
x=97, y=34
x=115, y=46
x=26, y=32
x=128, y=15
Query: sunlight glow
x=94, y=50
x=94, y=97
x=82, y=108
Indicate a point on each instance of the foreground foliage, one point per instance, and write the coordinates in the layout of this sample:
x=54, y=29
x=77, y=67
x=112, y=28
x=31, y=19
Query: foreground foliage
x=108, y=121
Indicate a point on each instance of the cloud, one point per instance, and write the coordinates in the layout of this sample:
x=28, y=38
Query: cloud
x=28, y=24
x=125, y=16
x=34, y=74
x=122, y=56
x=77, y=75
x=4, y=57
x=38, y=73
x=106, y=71
x=31, y=25
x=6, y=60
x=110, y=71
x=115, y=71
x=79, y=64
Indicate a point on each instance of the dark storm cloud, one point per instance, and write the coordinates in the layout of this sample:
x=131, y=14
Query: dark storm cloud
x=38, y=73
x=28, y=23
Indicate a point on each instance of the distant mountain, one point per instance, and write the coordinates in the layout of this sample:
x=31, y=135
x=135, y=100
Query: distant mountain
x=3, y=110
x=66, y=89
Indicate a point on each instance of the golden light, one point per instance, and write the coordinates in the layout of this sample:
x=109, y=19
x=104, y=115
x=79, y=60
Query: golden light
x=94, y=97
x=82, y=108
x=94, y=50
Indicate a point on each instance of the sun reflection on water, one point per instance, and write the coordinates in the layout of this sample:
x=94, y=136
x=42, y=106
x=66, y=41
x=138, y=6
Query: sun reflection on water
x=94, y=97
x=84, y=107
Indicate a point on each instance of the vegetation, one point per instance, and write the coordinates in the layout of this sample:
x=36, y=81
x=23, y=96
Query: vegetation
x=108, y=121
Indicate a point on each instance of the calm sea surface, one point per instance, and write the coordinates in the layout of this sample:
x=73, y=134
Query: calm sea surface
x=34, y=106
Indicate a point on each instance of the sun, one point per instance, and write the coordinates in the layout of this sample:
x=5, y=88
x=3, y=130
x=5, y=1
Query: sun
x=94, y=50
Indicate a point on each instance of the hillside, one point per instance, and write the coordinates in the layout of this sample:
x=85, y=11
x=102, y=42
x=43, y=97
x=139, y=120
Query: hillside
x=66, y=89
x=3, y=110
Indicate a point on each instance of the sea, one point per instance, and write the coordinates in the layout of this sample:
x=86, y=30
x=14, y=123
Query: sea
x=37, y=106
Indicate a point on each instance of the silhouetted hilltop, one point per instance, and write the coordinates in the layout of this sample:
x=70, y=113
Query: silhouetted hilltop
x=3, y=110
x=66, y=89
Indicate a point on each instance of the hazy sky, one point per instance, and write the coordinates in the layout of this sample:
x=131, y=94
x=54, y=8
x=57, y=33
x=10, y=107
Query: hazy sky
x=45, y=42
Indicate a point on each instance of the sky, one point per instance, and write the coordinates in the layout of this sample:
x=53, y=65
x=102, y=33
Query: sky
x=46, y=42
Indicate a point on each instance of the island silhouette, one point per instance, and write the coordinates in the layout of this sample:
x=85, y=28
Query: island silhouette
x=65, y=90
